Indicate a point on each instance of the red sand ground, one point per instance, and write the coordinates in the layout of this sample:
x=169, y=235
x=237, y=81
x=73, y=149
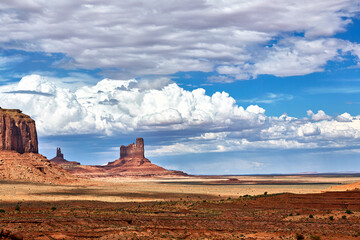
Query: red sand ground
x=283, y=216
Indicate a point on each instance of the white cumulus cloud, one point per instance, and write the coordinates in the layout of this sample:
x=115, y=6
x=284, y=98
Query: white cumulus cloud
x=209, y=123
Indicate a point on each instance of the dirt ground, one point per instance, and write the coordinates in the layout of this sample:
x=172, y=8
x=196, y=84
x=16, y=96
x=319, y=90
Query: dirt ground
x=228, y=207
x=140, y=190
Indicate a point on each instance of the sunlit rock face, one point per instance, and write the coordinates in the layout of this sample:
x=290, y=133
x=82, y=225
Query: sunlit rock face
x=17, y=132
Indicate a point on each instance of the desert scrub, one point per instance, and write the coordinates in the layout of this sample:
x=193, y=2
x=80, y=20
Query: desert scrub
x=2, y=211
x=348, y=212
x=311, y=216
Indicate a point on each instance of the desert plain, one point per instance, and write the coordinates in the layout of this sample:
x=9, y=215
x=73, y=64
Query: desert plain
x=191, y=207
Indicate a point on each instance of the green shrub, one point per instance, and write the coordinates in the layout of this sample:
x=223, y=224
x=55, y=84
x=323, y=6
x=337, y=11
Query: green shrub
x=348, y=211
x=331, y=218
x=2, y=210
x=53, y=208
x=343, y=217
x=17, y=208
x=311, y=216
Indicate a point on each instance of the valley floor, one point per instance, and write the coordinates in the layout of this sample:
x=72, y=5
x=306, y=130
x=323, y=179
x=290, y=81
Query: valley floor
x=231, y=207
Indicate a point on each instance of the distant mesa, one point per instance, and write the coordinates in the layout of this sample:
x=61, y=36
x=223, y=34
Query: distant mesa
x=132, y=163
x=61, y=161
x=19, y=158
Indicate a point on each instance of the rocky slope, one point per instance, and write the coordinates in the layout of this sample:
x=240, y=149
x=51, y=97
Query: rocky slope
x=132, y=163
x=19, y=158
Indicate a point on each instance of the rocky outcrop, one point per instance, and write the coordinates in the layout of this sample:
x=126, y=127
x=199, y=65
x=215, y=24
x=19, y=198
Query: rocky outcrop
x=132, y=163
x=132, y=150
x=62, y=162
x=19, y=158
x=17, y=132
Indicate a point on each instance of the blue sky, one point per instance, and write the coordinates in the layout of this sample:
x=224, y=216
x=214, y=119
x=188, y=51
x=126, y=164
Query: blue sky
x=214, y=87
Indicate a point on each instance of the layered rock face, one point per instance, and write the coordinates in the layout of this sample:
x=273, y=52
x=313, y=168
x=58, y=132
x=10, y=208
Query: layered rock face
x=17, y=132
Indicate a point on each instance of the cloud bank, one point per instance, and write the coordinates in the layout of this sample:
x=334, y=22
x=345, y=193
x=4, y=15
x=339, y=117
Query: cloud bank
x=209, y=123
x=237, y=39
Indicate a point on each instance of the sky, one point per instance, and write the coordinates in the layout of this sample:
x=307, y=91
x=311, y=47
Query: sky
x=213, y=87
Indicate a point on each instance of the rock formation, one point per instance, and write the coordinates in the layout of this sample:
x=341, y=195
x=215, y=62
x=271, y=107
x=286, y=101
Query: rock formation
x=19, y=158
x=17, y=132
x=60, y=160
x=132, y=150
x=132, y=163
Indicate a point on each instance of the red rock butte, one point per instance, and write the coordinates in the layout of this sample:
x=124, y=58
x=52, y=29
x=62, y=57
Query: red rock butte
x=17, y=132
x=133, y=151
x=60, y=160
x=19, y=158
x=132, y=163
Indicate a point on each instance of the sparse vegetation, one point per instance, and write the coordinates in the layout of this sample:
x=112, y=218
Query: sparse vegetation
x=348, y=212
x=2, y=211
x=208, y=217
x=331, y=218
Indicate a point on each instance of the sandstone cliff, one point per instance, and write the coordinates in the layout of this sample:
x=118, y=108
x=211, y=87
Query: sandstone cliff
x=19, y=158
x=17, y=132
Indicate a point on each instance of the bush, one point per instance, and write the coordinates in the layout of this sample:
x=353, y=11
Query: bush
x=53, y=208
x=300, y=236
x=17, y=208
x=343, y=217
x=2, y=210
x=311, y=216
x=265, y=193
x=331, y=218
x=348, y=211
